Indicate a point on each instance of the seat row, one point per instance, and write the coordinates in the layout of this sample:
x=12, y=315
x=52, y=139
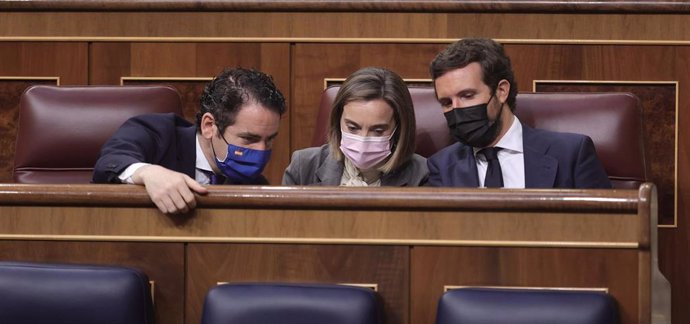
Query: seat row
x=61, y=129
x=88, y=294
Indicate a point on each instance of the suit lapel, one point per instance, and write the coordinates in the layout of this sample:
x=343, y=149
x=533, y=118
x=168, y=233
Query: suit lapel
x=186, y=150
x=465, y=170
x=329, y=173
x=540, y=168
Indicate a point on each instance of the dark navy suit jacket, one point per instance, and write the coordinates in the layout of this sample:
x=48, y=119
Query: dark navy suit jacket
x=552, y=160
x=167, y=140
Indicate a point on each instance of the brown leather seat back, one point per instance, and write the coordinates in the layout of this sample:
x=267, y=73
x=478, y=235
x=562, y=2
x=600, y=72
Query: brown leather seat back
x=612, y=120
x=61, y=129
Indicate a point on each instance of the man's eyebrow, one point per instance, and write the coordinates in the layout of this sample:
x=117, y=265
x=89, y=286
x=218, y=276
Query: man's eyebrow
x=459, y=94
x=249, y=135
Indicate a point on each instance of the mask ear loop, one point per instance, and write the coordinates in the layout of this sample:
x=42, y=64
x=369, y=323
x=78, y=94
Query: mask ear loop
x=500, y=109
x=213, y=149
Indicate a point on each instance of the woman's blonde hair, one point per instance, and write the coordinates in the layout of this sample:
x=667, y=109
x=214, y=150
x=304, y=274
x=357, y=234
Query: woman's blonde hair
x=373, y=83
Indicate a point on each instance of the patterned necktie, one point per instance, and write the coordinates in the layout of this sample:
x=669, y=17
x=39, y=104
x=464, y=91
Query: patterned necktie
x=216, y=179
x=494, y=177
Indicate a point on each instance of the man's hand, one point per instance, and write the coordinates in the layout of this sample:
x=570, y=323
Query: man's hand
x=172, y=192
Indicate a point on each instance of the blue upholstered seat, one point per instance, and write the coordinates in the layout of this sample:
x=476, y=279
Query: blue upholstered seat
x=290, y=304
x=525, y=306
x=34, y=293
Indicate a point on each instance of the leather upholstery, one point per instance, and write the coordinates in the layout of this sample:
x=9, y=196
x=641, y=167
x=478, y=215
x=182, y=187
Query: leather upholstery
x=525, y=306
x=613, y=121
x=290, y=304
x=73, y=294
x=61, y=129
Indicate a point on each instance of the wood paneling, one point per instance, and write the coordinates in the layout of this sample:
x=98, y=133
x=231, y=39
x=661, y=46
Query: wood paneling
x=385, y=266
x=347, y=25
x=536, y=42
x=23, y=64
x=408, y=241
x=435, y=267
x=162, y=262
x=10, y=92
x=353, y=5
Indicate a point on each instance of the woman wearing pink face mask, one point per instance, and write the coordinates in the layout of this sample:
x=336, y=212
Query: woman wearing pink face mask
x=371, y=137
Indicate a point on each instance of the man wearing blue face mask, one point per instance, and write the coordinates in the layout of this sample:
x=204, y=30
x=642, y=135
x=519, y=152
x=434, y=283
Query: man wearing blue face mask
x=173, y=158
x=475, y=85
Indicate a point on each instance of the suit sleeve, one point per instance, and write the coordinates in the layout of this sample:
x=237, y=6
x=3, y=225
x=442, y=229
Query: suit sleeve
x=589, y=172
x=292, y=177
x=137, y=140
x=434, y=179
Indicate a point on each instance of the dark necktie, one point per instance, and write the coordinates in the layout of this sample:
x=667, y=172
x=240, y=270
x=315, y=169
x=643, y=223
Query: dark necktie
x=494, y=177
x=215, y=179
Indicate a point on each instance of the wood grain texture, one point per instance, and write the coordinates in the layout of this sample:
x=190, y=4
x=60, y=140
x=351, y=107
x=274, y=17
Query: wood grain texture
x=23, y=64
x=385, y=266
x=434, y=267
x=408, y=27
x=357, y=5
x=163, y=263
x=360, y=235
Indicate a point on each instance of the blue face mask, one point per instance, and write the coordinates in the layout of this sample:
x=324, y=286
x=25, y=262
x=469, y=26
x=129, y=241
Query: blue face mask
x=242, y=165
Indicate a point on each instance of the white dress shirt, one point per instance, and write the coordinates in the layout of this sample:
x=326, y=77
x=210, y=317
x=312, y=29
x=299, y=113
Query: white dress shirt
x=200, y=175
x=511, y=157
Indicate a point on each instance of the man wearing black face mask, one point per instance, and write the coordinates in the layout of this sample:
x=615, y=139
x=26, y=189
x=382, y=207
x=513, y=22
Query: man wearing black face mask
x=475, y=85
x=230, y=143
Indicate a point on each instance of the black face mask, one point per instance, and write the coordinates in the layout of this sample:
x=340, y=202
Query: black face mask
x=471, y=125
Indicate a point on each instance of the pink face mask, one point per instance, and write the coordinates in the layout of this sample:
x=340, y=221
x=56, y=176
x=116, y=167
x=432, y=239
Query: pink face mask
x=365, y=152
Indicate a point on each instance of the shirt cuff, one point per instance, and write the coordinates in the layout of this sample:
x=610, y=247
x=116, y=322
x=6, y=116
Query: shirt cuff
x=126, y=176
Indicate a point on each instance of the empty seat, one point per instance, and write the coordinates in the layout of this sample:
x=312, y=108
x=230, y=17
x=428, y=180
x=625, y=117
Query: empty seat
x=525, y=306
x=73, y=294
x=290, y=304
x=61, y=129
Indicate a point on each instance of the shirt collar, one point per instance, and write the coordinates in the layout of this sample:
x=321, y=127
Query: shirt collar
x=511, y=140
x=201, y=161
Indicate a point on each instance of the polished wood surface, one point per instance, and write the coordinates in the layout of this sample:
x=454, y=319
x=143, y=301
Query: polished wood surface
x=522, y=267
x=351, y=27
x=625, y=41
x=357, y=5
x=409, y=242
x=384, y=267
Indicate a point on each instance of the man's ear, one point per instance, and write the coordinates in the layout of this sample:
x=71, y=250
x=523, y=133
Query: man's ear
x=207, y=125
x=503, y=90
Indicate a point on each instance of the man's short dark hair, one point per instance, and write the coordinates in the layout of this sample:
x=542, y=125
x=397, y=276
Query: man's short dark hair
x=233, y=88
x=490, y=56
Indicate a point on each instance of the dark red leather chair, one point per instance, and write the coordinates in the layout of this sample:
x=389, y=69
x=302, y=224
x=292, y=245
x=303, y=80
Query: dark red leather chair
x=612, y=120
x=61, y=129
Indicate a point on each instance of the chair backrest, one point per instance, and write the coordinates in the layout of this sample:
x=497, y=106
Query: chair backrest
x=290, y=304
x=613, y=120
x=73, y=294
x=61, y=129
x=525, y=306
